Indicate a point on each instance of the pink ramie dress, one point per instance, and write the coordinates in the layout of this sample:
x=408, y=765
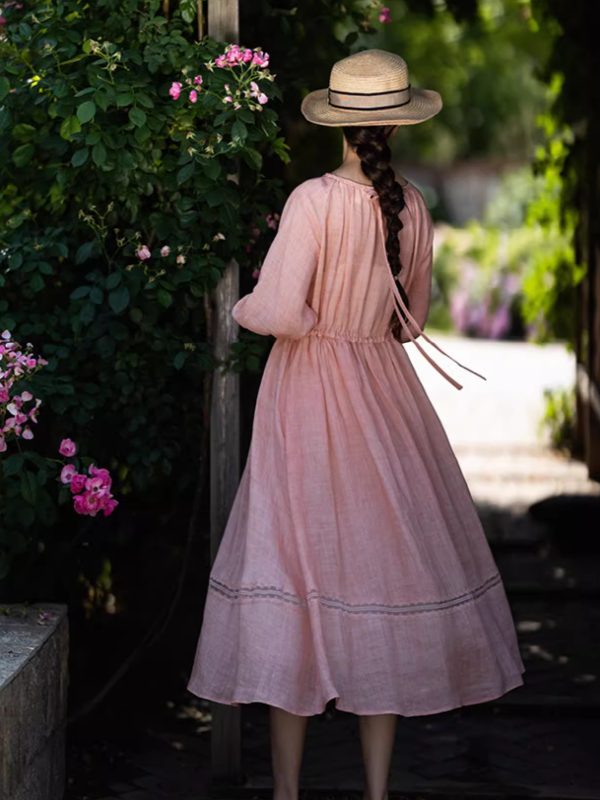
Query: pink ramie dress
x=354, y=566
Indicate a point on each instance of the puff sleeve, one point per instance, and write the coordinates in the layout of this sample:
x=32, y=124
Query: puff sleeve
x=278, y=303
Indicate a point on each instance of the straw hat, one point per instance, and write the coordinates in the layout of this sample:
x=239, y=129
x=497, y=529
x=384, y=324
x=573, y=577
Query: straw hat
x=370, y=88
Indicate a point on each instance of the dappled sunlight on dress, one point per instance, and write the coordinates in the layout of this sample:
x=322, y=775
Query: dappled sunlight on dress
x=354, y=565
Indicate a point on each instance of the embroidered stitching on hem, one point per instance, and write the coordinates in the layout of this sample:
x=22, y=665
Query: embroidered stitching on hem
x=266, y=592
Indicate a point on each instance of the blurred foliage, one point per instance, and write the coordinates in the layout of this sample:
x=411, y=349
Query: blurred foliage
x=559, y=418
x=488, y=72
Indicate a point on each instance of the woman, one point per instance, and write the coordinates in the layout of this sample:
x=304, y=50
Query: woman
x=354, y=566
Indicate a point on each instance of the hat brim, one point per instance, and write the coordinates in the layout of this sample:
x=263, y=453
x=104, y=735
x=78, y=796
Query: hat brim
x=424, y=104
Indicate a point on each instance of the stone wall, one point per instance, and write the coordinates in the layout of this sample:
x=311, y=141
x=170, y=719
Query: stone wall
x=34, y=644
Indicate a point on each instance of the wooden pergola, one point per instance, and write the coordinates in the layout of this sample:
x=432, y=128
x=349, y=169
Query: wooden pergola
x=224, y=25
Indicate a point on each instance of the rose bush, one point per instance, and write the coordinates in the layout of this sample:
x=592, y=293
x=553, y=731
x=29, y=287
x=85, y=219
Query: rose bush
x=119, y=138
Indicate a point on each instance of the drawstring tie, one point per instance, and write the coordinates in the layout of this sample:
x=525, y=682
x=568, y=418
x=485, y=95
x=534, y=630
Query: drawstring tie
x=399, y=304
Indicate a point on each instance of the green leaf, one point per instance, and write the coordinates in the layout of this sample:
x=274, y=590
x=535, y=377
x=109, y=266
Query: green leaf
x=4, y=88
x=23, y=132
x=23, y=155
x=86, y=111
x=253, y=158
x=239, y=132
x=29, y=487
x=80, y=293
x=99, y=154
x=84, y=252
x=215, y=197
x=69, y=127
x=80, y=157
x=102, y=100
x=180, y=359
x=87, y=313
x=212, y=168
x=144, y=100
x=185, y=173
x=97, y=295
x=13, y=464
x=124, y=99
x=113, y=280
x=137, y=116
x=136, y=315
x=118, y=299
x=37, y=282
x=164, y=298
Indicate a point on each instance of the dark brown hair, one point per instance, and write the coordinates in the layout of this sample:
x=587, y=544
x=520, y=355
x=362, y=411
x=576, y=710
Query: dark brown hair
x=371, y=145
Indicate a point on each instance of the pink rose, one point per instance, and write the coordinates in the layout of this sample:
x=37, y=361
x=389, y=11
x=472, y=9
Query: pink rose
x=175, y=90
x=144, y=253
x=247, y=55
x=91, y=503
x=228, y=99
x=165, y=251
x=67, y=448
x=78, y=483
x=384, y=15
x=109, y=506
x=198, y=80
x=193, y=96
x=262, y=98
x=79, y=504
x=68, y=473
x=99, y=484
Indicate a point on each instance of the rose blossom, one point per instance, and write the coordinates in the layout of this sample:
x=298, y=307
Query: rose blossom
x=384, y=15
x=67, y=448
x=78, y=483
x=175, y=90
x=109, y=506
x=67, y=473
x=165, y=251
x=193, y=96
x=144, y=253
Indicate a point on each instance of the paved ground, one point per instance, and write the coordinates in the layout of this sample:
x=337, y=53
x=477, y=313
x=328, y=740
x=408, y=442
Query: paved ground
x=538, y=741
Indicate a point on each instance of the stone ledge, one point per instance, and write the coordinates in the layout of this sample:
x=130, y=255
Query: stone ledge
x=34, y=643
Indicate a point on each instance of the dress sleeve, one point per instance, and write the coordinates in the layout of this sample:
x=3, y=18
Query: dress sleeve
x=419, y=244
x=278, y=303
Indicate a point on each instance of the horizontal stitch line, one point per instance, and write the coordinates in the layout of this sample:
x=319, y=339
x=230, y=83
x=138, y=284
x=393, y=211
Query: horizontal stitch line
x=261, y=592
x=351, y=337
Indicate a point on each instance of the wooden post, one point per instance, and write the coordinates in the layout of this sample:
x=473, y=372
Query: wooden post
x=223, y=25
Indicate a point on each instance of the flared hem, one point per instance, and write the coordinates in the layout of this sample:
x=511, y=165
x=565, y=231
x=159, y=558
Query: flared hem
x=511, y=684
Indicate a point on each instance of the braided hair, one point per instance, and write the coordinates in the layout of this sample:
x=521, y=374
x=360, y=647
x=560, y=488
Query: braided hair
x=371, y=145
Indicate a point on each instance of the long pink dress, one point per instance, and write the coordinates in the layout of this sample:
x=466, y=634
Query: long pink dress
x=354, y=565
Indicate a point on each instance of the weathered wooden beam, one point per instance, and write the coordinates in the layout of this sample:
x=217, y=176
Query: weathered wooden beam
x=223, y=25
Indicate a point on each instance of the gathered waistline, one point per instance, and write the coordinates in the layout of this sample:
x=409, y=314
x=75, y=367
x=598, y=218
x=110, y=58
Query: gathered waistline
x=351, y=336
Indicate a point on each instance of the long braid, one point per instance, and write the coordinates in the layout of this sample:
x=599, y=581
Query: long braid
x=371, y=145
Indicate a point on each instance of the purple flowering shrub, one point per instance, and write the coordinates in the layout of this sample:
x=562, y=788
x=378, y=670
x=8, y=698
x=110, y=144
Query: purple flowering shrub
x=481, y=271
